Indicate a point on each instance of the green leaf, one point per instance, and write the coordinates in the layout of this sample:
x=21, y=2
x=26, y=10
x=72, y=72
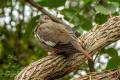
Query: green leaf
x=111, y=52
x=5, y=3
x=86, y=24
x=88, y=1
x=113, y=63
x=115, y=1
x=107, y=8
x=52, y=3
x=73, y=16
x=78, y=29
x=1, y=51
x=100, y=18
x=69, y=13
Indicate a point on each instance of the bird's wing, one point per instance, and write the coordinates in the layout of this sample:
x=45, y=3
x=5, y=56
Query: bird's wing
x=46, y=45
x=49, y=43
x=66, y=32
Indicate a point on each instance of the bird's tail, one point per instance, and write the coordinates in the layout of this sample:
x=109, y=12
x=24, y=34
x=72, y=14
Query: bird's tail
x=76, y=44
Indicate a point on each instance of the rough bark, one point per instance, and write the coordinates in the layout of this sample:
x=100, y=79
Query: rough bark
x=52, y=67
x=105, y=75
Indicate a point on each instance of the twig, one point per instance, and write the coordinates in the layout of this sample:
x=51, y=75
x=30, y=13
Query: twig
x=54, y=18
x=91, y=65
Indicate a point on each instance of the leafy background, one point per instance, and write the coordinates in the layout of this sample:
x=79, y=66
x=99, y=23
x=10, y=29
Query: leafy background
x=18, y=46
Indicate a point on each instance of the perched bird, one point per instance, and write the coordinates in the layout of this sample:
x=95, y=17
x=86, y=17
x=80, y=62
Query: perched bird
x=55, y=37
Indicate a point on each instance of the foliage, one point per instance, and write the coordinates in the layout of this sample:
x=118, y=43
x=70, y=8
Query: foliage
x=18, y=46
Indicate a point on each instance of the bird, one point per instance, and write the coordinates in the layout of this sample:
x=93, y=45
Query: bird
x=56, y=37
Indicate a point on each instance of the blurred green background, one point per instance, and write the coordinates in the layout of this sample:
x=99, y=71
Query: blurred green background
x=19, y=47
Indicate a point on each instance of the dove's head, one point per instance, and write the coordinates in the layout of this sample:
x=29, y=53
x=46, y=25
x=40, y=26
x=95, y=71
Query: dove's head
x=44, y=19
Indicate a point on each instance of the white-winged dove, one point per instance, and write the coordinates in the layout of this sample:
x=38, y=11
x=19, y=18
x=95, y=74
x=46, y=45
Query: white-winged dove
x=55, y=36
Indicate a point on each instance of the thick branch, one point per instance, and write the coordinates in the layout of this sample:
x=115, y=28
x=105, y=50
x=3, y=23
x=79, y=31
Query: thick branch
x=105, y=75
x=52, y=67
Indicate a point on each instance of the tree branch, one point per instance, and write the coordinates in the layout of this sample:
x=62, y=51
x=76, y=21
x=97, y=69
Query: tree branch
x=105, y=75
x=54, y=18
x=52, y=67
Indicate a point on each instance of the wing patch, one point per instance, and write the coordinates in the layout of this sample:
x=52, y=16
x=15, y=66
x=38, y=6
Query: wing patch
x=49, y=43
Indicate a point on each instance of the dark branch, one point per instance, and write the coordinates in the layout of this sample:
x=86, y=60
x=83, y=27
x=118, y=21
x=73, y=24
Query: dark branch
x=91, y=65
